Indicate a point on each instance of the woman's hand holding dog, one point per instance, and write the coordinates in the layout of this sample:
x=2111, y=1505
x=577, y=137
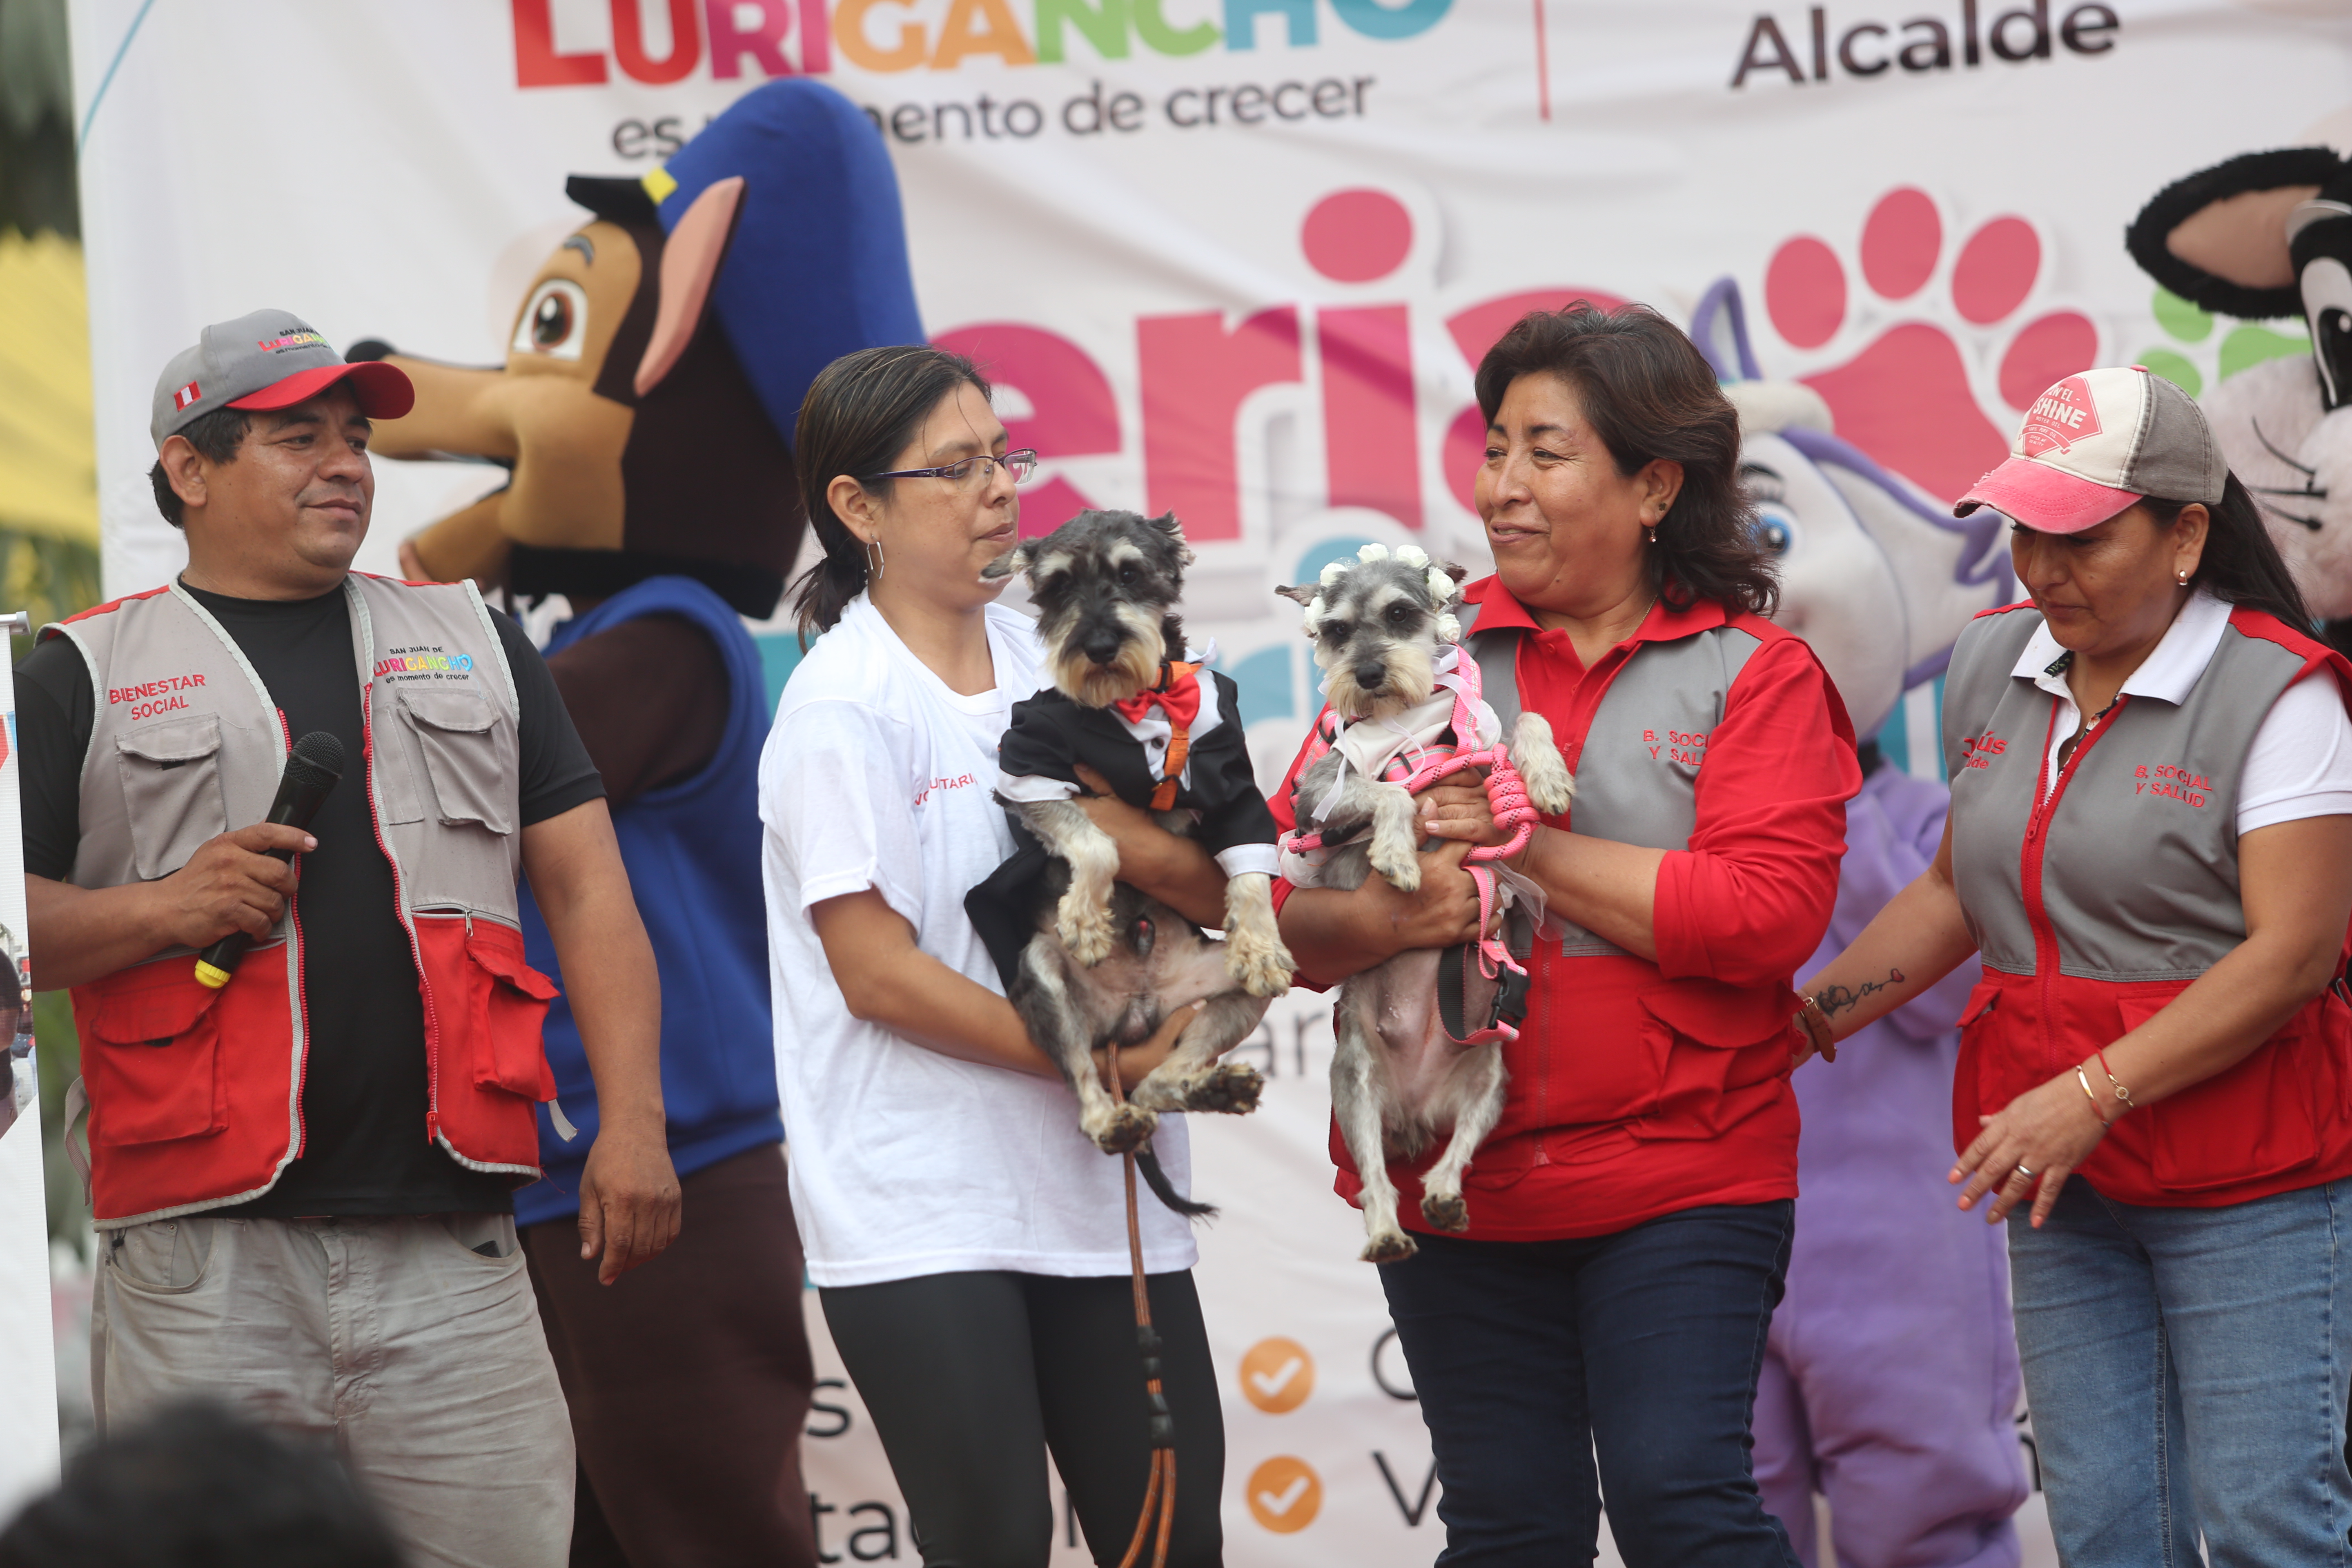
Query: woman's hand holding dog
x=1135, y=1062
x=1457, y=809
x=1332, y=935
x=1175, y=870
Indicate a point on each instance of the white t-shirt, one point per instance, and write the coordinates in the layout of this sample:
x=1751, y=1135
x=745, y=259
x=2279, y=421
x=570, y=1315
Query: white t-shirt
x=2300, y=764
x=906, y=1162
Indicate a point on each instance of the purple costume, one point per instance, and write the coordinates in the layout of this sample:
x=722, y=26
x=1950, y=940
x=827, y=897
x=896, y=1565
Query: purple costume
x=1890, y=1379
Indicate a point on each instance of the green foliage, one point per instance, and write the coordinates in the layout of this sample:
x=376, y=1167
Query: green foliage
x=48, y=578
x=36, y=133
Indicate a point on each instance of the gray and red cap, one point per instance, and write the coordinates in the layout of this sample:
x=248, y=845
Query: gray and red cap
x=2098, y=443
x=270, y=359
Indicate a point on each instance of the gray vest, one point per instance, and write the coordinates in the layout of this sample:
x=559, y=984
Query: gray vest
x=188, y=743
x=2138, y=860
x=1637, y=772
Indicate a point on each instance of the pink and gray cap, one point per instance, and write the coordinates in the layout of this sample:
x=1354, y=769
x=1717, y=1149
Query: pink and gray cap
x=270, y=359
x=2098, y=443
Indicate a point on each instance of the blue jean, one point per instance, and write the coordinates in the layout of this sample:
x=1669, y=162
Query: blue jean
x=2187, y=1373
x=1644, y=1346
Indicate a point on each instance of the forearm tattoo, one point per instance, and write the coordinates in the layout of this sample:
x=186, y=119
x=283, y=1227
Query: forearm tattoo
x=1836, y=999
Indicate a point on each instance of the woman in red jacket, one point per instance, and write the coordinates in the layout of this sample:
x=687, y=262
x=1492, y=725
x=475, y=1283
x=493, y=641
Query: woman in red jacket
x=2150, y=846
x=1629, y=1215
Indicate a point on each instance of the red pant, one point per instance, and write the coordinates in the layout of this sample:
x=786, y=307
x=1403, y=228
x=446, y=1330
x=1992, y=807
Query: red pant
x=689, y=1381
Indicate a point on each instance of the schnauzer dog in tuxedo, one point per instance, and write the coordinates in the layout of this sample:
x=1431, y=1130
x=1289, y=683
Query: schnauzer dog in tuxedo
x=1089, y=959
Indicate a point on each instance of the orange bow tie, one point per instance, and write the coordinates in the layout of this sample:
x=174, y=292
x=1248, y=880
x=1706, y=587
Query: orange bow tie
x=1178, y=695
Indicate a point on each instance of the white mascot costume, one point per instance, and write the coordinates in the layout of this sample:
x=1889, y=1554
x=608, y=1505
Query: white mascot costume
x=2270, y=235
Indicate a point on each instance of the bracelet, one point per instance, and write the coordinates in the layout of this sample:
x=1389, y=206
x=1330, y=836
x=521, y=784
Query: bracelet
x=2121, y=1092
x=2084, y=1079
x=1817, y=1027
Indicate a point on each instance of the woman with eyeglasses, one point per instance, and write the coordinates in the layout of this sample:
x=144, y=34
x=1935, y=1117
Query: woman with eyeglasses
x=967, y=1242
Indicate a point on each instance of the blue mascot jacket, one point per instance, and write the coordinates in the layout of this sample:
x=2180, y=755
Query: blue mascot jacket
x=692, y=849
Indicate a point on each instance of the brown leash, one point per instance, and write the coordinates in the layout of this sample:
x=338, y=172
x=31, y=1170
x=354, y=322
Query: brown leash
x=1160, y=1494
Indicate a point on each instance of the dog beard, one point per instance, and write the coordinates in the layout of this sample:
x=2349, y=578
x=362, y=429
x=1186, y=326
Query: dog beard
x=1412, y=677
x=1136, y=668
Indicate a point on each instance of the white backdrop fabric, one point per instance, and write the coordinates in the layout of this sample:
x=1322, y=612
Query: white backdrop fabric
x=1236, y=257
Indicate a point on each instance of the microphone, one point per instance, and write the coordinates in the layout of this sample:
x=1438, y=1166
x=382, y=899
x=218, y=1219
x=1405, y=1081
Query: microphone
x=313, y=767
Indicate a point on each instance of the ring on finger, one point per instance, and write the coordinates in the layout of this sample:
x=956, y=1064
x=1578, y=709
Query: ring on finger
x=2023, y=1171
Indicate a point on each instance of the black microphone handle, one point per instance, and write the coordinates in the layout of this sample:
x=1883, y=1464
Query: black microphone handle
x=298, y=802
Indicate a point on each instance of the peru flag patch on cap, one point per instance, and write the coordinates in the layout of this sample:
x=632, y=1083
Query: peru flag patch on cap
x=2060, y=417
x=185, y=397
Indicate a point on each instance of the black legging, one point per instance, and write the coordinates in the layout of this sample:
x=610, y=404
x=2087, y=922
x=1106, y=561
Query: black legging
x=971, y=1378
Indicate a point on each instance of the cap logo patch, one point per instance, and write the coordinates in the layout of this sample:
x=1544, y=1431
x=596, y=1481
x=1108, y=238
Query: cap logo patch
x=186, y=398
x=2060, y=417
x=302, y=340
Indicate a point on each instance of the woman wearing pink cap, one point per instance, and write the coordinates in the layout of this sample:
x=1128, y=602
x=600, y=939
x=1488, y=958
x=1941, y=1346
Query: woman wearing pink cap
x=2150, y=846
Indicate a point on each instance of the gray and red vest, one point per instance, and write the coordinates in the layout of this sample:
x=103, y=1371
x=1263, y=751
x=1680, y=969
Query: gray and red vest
x=195, y=1095
x=2097, y=897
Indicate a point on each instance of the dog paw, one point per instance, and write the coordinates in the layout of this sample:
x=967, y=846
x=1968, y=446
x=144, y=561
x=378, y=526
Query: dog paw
x=1229, y=1087
x=1447, y=1211
x=1260, y=968
x=1086, y=931
x=1129, y=1127
x=1395, y=860
x=1550, y=787
x=1388, y=1246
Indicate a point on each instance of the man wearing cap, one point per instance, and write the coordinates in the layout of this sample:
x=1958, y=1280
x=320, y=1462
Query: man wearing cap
x=2150, y=844
x=301, y=1176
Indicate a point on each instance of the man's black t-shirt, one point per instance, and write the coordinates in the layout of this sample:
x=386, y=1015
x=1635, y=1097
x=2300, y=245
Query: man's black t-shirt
x=363, y=1093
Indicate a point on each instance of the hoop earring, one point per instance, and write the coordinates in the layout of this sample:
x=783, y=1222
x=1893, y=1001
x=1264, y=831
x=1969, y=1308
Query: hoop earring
x=875, y=546
x=2183, y=577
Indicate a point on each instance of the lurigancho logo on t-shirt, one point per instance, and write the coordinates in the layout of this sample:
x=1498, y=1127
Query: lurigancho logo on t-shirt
x=425, y=661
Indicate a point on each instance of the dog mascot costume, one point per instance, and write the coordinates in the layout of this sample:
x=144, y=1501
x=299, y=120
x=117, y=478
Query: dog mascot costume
x=2266, y=235
x=644, y=411
x=1890, y=1380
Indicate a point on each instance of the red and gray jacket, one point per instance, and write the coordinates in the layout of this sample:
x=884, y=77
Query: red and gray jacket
x=2097, y=897
x=195, y=1095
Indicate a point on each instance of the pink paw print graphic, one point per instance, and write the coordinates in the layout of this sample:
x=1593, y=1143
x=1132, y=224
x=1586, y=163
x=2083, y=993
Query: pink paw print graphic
x=1939, y=338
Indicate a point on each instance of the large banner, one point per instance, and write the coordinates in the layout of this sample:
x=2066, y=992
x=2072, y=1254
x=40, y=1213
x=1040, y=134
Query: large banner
x=1236, y=257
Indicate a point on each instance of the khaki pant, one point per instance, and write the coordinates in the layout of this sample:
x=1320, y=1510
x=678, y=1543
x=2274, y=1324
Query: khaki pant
x=416, y=1354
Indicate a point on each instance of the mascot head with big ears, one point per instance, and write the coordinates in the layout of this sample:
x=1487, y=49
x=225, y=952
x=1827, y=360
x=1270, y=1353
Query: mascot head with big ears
x=1876, y=573
x=2266, y=235
x=658, y=362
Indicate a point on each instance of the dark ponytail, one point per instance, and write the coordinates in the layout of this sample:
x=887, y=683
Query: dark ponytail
x=859, y=414
x=2241, y=564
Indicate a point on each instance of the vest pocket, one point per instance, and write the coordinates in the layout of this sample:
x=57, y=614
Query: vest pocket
x=172, y=790
x=506, y=1000
x=2254, y=1120
x=457, y=733
x=155, y=1075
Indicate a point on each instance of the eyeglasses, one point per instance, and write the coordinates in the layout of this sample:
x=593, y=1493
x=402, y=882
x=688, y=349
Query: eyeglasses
x=1020, y=465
